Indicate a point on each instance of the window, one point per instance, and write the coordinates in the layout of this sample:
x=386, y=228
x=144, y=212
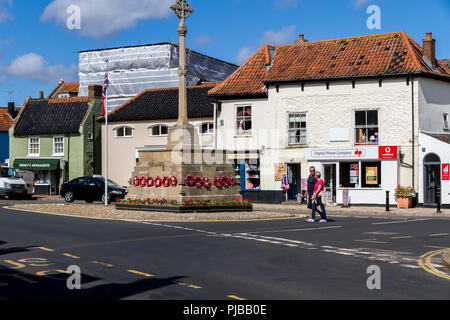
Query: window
x=244, y=120
x=58, y=146
x=349, y=175
x=371, y=174
x=366, y=127
x=297, y=129
x=248, y=173
x=159, y=130
x=360, y=175
x=124, y=132
x=206, y=128
x=446, y=122
x=33, y=146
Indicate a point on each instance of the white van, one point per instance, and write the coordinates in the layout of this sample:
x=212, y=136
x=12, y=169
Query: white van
x=11, y=183
x=28, y=177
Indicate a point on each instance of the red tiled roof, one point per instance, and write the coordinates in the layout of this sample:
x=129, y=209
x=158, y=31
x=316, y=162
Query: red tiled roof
x=71, y=87
x=361, y=56
x=5, y=120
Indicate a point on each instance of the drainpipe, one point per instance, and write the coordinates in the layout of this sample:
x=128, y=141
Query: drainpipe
x=413, y=135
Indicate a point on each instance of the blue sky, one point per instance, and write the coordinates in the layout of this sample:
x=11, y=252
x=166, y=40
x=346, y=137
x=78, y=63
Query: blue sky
x=37, y=49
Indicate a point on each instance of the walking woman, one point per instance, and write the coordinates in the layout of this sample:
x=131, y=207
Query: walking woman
x=318, y=199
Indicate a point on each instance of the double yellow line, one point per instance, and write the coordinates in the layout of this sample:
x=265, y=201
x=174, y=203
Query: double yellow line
x=425, y=263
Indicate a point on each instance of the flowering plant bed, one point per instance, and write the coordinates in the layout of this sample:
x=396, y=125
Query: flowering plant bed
x=190, y=206
x=404, y=197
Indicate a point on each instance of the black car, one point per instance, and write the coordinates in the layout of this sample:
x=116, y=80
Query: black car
x=91, y=189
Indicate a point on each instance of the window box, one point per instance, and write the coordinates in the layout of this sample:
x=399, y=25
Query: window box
x=404, y=203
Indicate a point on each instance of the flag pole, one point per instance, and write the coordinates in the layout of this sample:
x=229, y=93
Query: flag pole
x=106, y=137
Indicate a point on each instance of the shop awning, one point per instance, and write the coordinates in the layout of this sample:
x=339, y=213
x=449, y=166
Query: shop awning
x=36, y=164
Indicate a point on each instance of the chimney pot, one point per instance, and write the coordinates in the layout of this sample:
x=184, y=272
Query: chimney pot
x=301, y=39
x=429, y=48
x=41, y=94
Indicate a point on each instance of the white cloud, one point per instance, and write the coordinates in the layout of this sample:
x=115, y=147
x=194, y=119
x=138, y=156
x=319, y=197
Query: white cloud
x=34, y=67
x=360, y=3
x=284, y=36
x=103, y=18
x=244, y=54
x=203, y=40
x=4, y=14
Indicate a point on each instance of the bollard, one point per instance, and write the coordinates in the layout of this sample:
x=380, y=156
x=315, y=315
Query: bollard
x=387, y=201
x=438, y=199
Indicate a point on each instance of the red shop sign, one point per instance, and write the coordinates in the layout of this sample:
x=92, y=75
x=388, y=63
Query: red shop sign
x=389, y=152
x=446, y=171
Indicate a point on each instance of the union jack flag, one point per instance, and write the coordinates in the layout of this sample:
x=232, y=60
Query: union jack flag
x=105, y=88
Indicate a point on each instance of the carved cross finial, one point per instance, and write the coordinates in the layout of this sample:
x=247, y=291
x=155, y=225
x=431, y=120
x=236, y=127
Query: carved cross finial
x=182, y=9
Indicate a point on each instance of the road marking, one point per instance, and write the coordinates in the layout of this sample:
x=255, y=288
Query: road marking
x=371, y=241
x=277, y=239
x=20, y=277
x=392, y=222
x=45, y=249
x=410, y=266
x=44, y=273
x=3, y=284
x=70, y=256
x=103, y=264
x=425, y=263
x=435, y=247
x=188, y=285
x=140, y=273
x=236, y=298
x=295, y=230
x=438, y=235
x=404, y=237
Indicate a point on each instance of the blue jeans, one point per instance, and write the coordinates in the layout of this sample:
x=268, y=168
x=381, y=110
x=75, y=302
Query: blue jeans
x=322, y=207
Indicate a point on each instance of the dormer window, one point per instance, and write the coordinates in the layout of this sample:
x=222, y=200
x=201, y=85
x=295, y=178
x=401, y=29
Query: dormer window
x=159, y=130
x=123, y=132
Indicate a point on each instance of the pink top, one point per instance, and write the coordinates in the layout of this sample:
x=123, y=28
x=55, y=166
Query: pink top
x=319, y=183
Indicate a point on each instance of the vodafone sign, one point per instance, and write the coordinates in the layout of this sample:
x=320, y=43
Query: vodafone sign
x=388, y=152
x=446, y=171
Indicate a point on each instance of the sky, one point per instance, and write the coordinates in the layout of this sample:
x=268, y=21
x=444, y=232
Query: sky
x=37, y=49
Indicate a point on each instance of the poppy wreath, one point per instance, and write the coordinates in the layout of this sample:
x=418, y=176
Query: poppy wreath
x=143, y=182
x=158, y=182
x=206, y=182
x=224, y=181
x=166, y=182
x=136, y=182
x=150, y=182
x=217, y=182
x=189, y=180
x=231, y=181
x=174, y=181
x=198, y=182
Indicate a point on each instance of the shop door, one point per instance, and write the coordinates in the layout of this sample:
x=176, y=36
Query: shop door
x=293, y=171
x=329, y=178
x=432, y=175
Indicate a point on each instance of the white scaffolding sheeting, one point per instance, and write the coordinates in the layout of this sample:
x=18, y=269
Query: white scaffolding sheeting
x=135, y=69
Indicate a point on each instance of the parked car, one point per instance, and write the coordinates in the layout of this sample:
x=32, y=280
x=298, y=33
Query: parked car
x=11, y=183
x=28, y=177
x=91, y=189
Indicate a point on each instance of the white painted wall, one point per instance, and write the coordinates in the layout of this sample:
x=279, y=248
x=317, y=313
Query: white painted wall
x=434, y=101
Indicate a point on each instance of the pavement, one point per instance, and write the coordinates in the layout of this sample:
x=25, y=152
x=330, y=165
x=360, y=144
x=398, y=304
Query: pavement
x=253, y=260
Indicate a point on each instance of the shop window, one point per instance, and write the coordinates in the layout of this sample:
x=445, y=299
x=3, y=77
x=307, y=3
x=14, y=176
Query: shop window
x=58, y=146
x=248, y=173
x=206, y=128
x=366, y=127
x=244, y=120
x=371, y=174
x=124, y=132
x=33, y=147
x=297, y=129
x=349, y=175
x=159, y=131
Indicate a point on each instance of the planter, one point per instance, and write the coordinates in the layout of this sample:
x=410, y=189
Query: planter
x=404, y=203
x=185, y=209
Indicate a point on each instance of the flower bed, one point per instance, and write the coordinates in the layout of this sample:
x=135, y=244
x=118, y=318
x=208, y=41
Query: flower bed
x=404, y=197
x=189, y=206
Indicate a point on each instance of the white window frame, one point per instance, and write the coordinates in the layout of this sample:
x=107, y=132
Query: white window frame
x=295, y=129
x=446, y=122
x=38, y=147
x=245, y=134
x=124, y=132
x=150, y=129
x=210, y=130
x=368, y=143
x=58, y=154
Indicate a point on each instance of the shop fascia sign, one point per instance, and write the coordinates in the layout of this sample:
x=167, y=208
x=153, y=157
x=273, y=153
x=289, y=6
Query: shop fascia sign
x=342, y=153
x=34, y=165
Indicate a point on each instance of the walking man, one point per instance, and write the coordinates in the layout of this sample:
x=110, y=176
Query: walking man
x=311, y=184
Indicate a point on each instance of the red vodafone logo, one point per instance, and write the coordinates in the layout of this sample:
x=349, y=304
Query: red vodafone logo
x=388, y=152
x=446, y=171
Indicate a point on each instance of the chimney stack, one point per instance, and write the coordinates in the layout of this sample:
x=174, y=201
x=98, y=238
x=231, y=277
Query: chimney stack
x=301, y=39
x=11, y=110
x=95, y=92
x=429, y=48
x=41, y=94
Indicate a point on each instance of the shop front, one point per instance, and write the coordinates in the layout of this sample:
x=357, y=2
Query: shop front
x=357, y=175
x=47, y=173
